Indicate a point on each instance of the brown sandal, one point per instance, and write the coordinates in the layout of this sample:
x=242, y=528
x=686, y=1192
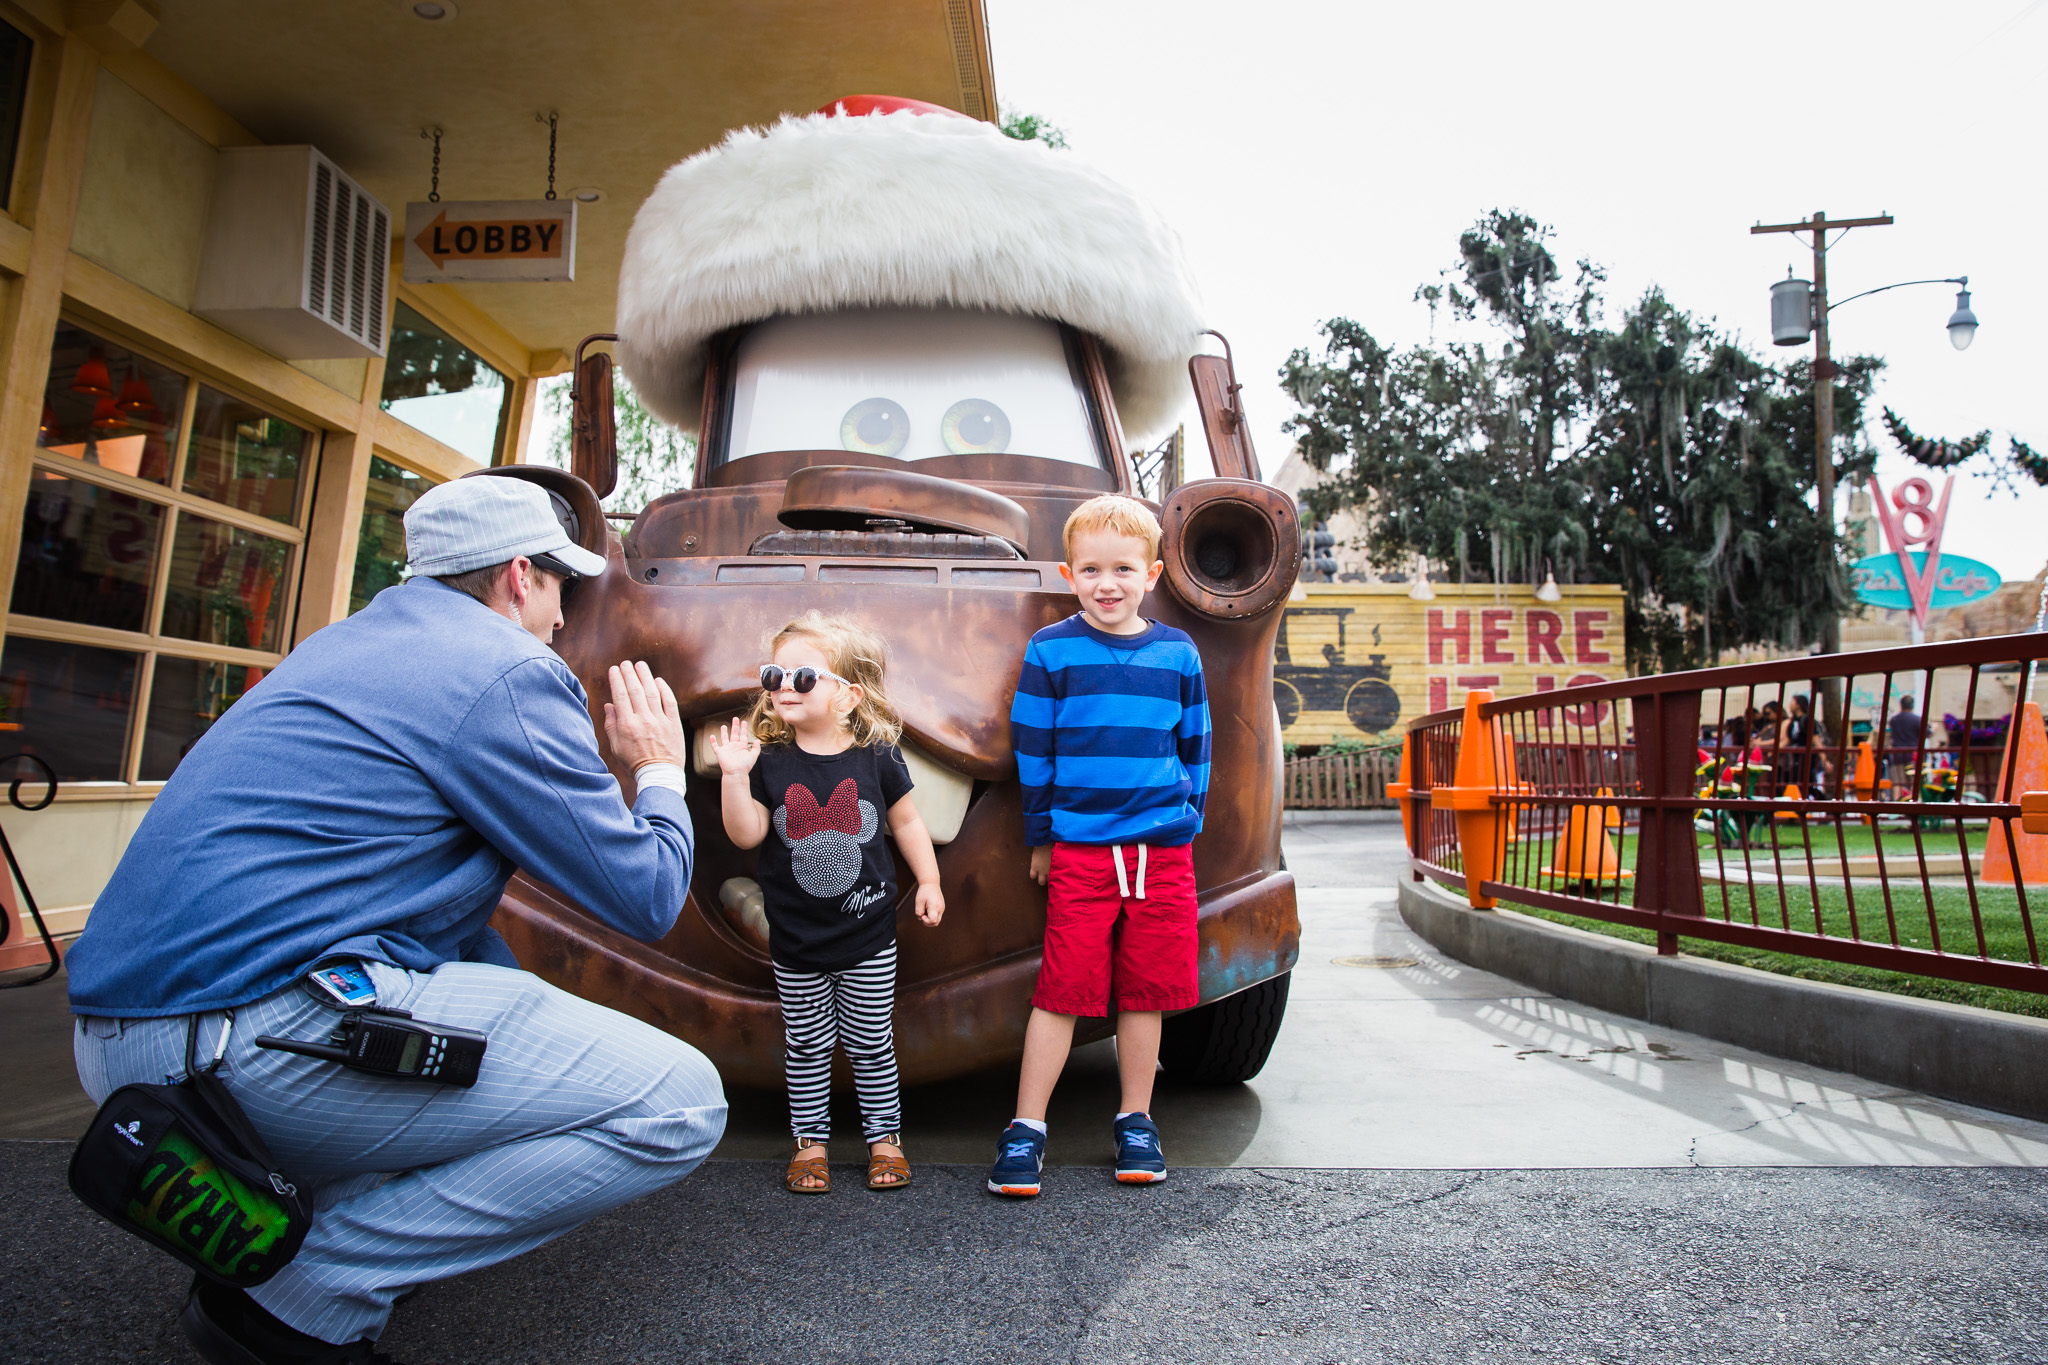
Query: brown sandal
x=888, y=1172
x=807, y=1168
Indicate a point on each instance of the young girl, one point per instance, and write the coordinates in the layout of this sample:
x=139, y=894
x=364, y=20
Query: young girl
x=808, y=777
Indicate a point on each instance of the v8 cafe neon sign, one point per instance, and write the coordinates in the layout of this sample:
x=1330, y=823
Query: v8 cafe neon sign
x=490, y=240
x=1916, y=576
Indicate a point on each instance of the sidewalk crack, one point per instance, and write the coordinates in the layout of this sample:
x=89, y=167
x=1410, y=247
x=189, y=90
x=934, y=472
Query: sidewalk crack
x=1693, y=1148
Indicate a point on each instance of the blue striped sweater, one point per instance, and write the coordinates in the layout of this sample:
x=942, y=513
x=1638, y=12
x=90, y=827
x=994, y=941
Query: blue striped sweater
x=1112, y=736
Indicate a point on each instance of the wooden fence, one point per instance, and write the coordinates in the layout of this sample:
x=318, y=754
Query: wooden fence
x=1355, y=781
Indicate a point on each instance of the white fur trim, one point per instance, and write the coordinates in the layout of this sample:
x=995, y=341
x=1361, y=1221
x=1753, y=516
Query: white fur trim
x=823, y=213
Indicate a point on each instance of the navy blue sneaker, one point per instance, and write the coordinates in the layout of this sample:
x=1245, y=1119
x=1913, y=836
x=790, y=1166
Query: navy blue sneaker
x=1019, y=1158
x=1139, y=1160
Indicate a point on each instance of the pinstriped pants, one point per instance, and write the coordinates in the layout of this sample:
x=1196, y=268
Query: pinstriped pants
x=853, y=1009
x=578, y=1109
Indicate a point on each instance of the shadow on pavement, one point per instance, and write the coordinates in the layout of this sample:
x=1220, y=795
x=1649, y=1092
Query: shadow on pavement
x=959, y=1120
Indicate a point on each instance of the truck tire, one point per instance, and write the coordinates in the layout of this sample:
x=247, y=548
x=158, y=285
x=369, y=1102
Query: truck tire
x=1225, y=1043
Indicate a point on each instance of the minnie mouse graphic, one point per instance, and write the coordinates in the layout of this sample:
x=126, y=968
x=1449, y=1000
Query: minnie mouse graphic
x=825, y=841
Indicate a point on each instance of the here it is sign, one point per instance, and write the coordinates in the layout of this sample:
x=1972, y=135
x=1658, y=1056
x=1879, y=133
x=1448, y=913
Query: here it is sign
x=490, y=240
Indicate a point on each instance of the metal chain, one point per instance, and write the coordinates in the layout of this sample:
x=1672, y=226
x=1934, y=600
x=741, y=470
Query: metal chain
x=434, y=192
x=551, y=152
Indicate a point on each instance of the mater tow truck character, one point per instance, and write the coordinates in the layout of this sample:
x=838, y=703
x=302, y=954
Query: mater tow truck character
x=909, y=347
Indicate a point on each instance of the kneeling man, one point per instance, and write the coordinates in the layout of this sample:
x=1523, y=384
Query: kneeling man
x=366, y=803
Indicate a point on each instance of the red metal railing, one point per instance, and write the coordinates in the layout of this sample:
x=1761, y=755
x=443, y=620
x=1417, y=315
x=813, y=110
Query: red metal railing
x=1681, y=804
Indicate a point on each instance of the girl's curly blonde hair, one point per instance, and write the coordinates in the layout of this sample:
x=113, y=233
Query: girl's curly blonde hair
x=856, y=654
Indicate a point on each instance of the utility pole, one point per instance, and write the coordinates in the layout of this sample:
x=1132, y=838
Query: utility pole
x=1824, y=372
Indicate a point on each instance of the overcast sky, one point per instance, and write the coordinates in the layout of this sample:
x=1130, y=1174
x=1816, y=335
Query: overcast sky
x=1320, y=159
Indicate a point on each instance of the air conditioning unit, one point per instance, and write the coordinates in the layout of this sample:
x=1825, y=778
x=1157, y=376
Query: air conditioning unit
x=298, y=258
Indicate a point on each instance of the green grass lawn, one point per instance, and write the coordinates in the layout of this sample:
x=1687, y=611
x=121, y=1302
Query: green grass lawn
x=1793, y=839
x=1916, y=913
x=2004, y=934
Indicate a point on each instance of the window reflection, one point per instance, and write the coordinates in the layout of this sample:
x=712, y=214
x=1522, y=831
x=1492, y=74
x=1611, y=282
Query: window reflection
x=380, y=545
x=68, y=705
x=87, y=553
x=435, y=384
x=227, y=585
x=245, y=458
x=105, y=405
x=188, y=696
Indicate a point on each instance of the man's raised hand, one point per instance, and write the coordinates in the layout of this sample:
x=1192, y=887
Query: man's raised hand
x=642, y=720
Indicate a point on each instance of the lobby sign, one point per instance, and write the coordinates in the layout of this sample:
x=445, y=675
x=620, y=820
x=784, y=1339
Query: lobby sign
x=1880, y=581
x=496, y=240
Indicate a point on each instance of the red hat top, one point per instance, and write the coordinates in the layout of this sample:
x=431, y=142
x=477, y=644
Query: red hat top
x=855, y=106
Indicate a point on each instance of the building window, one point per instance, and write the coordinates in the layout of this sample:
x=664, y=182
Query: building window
x=435, y=384
x=380, y=545
x=159, y=549
x=15, y=51
x=68, y=704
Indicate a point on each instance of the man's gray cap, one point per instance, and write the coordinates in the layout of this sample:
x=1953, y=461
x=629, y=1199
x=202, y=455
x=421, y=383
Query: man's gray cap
x=469, y=524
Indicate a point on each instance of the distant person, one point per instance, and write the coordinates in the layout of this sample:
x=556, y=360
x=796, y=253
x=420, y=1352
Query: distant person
x=1803, y=753
x=1905, y=728
x=1770, y=728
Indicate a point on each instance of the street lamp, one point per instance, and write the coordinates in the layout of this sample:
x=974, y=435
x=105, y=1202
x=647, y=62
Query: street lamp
x=1799, y=311
x=1962, y=324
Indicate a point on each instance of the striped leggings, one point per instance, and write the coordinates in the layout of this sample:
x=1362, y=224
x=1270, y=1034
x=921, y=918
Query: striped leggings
x=852, y=1009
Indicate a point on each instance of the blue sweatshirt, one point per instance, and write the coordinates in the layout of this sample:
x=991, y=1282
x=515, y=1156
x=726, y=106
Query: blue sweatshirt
x=1112, y=736
x=370, y=798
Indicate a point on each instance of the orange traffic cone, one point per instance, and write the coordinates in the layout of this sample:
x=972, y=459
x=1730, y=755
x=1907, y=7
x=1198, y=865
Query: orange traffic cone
x=2025, y=769
x=1866, y=782
x=1586, y=853
x=1397, y=792
x=1792, y=793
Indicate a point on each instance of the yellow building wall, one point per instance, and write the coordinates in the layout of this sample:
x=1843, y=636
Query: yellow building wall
x=1360, y=661
x=145, y=192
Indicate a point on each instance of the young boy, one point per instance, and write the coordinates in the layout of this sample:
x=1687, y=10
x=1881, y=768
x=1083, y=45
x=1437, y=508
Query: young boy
x=1111, y=730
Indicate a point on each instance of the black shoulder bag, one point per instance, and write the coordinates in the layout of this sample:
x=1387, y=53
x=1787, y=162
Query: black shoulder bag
x=181, y=1166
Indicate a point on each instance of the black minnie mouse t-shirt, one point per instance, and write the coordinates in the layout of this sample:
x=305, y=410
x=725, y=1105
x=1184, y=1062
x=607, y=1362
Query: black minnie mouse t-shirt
x=826, y=874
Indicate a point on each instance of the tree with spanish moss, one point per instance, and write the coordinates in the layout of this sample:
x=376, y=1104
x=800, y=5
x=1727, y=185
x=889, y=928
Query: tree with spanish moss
x=1657, y=454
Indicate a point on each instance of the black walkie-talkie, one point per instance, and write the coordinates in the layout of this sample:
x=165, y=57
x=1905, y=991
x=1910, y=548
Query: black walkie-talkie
x=388, y=1042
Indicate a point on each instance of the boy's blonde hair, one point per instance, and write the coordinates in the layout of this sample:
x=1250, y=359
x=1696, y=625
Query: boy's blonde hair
x=1114, y=512
x=856, y=654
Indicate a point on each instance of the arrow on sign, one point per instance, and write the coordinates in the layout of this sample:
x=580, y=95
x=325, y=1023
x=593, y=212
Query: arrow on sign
x=513, y=239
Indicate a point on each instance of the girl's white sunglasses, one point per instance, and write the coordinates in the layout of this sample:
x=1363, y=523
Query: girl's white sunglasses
x=802, y=679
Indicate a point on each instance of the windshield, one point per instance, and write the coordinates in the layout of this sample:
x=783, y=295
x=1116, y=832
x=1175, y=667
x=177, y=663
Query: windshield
x=909, y=384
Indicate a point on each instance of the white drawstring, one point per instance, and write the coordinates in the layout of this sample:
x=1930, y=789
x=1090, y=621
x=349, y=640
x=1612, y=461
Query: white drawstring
x=1123, y=886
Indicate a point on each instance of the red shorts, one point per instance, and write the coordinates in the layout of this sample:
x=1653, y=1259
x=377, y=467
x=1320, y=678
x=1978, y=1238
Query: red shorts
x=1102, y=938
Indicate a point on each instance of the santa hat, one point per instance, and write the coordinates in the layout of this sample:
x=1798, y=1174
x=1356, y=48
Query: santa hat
x=876, y=202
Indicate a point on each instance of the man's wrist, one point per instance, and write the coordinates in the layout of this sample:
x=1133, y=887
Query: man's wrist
x=662, y=772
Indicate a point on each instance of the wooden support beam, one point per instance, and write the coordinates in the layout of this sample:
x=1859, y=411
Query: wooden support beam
x=337, y=520
x=30, y=304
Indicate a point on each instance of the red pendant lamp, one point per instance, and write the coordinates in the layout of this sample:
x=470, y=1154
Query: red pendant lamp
x=92, y=376
x=107, y=417
x=137, y=401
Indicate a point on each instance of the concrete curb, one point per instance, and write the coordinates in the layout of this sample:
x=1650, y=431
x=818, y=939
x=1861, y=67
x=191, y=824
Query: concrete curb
x=1958, y=1052
x=1373, y=816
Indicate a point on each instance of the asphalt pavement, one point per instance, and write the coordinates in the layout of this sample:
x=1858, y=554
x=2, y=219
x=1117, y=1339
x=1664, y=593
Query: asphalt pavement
x=1437, y=1165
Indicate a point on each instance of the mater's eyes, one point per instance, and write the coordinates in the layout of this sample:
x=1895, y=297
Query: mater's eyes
x=975, y=426
x=875, y=426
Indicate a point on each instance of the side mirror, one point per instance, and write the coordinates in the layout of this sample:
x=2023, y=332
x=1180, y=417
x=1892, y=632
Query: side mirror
x=593, y=439
x=1223, y=419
